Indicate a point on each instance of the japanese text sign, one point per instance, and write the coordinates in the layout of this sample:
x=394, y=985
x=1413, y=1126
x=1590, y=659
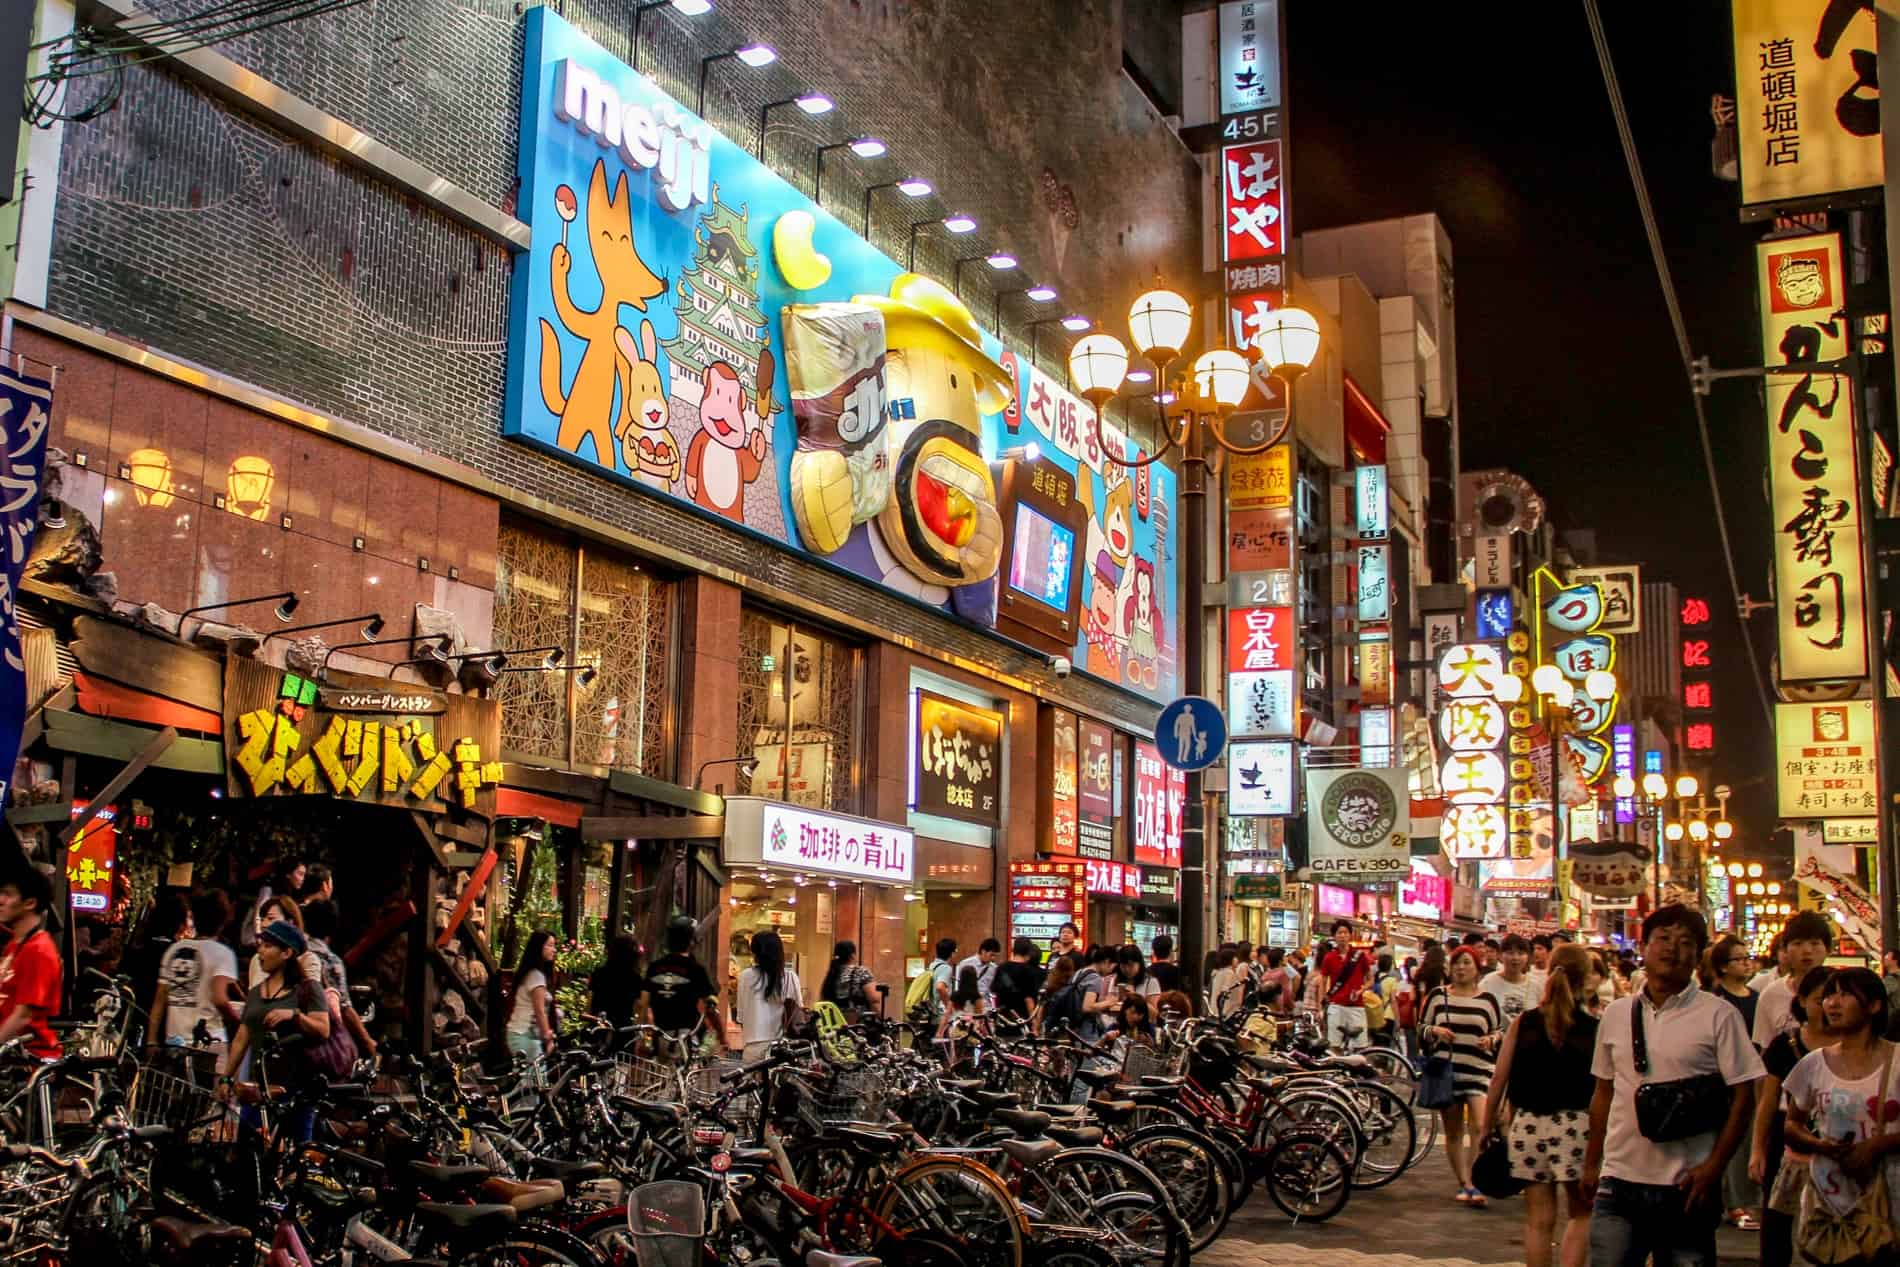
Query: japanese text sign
x=804, y=839
x=1260, y=779
x=1474, y=831
x=1259, y=638
x=25, y=418
x=1825, y=759
x=959, y=768
x=1807, y=98
x=1813, y=463
x=1063, y=785
x=1622, y=591
x=1261, y=481
x=1262, y=704
x=1249, y=55
x=1371, y=578
x=1095, y=790
x=1370, y=517
x=1253, y=201
x=1043, y=896
x=1111, y=879
x=1359, y=824
x=1160, y=794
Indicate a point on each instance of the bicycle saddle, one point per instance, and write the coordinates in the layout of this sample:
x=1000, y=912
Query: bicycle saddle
x=658, y=1112
x=1029, y=1152
x=565, y=1171
x=1098, y=1078
x=467, y=1222
x=819, y=1258
x=186, y=1237
x=996, y=1099
x=1021, y=1121
x=450, y=1179
x=1160, y=1080
x=1114, y=1112
x=864, y=1139
x=532, y=1195
x=962, y=1085
x=1358, y=1064
x=1076, y=1136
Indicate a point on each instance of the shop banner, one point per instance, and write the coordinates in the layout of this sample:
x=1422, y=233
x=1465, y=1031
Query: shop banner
x=1261, y=481
x=1160, y=795
x=855, y=848
x=1359, y=824
x=1095, y=791
x=1813, y=462
x=1370, y=518
x=1424, y=894
x=1043, y=896
x=1160, y=887
x=1622, y=590
x=689, y=325
x=280, y=739
x=1256, y=888
x=959, y=764
x=90, y=859
x=1807, y=99
x=1111, y=879
x=1260, y=780
x=1253, y=202
x=1825, y=760
x=26, y=406
x=1249, y=56
x=1839, y=892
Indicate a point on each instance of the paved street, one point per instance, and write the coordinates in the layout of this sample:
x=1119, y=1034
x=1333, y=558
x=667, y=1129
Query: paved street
x=1411, y=1221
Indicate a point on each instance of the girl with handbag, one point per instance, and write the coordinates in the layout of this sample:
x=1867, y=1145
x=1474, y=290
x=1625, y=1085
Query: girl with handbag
x=1459, y=1028
x=1844, y=1109
x=1781, y=1171
x=1543, y=1085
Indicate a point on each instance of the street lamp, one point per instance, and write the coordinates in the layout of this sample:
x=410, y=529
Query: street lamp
x=1160, y=323
x=1686, y=787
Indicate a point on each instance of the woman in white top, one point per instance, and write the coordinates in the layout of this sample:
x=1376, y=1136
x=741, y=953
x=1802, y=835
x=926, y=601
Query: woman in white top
x=765, y=990
x=269, y=911
x=531, y=1007
x=1843, y=1101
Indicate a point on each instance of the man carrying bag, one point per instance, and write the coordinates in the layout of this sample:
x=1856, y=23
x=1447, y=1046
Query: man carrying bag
x=1675, y=1074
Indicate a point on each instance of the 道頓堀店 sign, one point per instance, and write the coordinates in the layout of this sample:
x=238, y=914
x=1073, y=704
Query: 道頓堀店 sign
x=959, y=766
x=1813, y=462
x=1807, y=98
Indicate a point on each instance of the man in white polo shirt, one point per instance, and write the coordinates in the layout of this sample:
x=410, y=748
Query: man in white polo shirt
x=1664, y=1198
x=1806, y=942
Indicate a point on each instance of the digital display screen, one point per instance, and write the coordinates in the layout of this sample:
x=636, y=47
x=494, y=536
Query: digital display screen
x=1040, y=558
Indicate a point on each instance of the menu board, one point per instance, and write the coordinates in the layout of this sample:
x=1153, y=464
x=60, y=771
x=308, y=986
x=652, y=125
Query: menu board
x=1095, y=791
x=1043, y=896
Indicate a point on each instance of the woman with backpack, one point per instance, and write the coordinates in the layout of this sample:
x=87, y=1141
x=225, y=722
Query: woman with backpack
x=847, y=982
x=1060, y=1004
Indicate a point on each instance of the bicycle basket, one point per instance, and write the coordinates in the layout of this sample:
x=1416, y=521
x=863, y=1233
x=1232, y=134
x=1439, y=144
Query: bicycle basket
x=667, y=1221
x=642, y=1076
x=852, y=1095
x=1141, y=1060
x=159, y=1098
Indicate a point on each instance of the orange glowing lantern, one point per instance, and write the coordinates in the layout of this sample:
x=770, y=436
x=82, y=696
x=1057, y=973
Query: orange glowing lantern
x=249, y=485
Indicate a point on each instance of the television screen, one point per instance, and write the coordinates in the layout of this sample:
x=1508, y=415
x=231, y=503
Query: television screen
x=1039, y=561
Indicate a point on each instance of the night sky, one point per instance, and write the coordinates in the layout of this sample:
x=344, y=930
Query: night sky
x=1567, y=369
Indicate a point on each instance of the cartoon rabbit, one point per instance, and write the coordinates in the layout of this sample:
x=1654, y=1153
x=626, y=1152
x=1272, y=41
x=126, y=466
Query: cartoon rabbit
x=586, y=408
x=646, y=446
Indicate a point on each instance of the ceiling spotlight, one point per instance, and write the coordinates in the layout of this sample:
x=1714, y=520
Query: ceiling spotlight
x=868, y=147
x=553, y=658
x=814, y=103
x=1000, y=261
x=692, y=8
x=959, y=223
x=374, y=629
x=1041, y=294
x=585, y=678
x=1076, y=324
x=913, y=188
x=1140, y=376
x=756, y=55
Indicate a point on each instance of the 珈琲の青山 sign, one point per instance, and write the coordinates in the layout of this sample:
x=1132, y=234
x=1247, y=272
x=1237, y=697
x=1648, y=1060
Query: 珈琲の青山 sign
x=689, y=325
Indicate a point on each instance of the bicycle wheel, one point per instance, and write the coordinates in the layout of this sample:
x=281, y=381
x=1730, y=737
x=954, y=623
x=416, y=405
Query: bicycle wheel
x=1313, y=1109
x=959, y=1202
x=1195, y=1176
x=1308, y=1177
x=536, y=1246
x=1425, y=1130
x=1100, y=1189
x=1392, y=1068
x=1387, y=1131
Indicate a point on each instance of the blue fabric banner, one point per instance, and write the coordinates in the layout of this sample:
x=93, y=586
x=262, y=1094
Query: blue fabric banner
x=25, y=415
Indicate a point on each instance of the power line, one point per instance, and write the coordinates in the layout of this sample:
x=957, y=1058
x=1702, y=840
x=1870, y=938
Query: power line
x=1670, y=301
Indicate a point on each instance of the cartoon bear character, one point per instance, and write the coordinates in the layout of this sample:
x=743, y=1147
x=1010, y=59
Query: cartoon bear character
x=586, y=407
x=841, y=468
x=941, y=525
x=646, y=446
x=728, y=451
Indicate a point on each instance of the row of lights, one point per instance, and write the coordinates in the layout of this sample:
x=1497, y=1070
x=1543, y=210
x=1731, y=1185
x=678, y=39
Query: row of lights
x=757, y=55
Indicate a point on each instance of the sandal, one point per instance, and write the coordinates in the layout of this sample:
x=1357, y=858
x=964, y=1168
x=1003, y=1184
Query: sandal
x=1477, y=1200
x=1462, y=1196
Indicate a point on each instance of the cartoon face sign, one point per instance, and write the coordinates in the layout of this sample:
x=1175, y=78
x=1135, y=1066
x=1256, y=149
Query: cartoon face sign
x=1117, y=529
x=942, y=523
x=1800, y=280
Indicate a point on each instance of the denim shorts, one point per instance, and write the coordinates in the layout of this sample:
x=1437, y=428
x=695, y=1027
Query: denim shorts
x=1632, y=1221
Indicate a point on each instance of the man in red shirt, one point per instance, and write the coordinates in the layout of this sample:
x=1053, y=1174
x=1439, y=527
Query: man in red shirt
x=29, y=966
x=1343, y=977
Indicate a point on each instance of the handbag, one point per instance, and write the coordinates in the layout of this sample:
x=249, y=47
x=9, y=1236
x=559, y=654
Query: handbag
x=1437, y=1082
x=1865, y=1231
x=1491, y=1169
x=1681, y=1107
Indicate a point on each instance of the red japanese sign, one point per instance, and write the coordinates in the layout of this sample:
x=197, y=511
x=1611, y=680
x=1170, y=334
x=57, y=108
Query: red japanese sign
x=1695, y=653
x=1253, y=202
x=1111, y=879
x=1699, y=737
x=1695, y=611
x=1699, y=696
x=1160, y=792
x=1259, y=638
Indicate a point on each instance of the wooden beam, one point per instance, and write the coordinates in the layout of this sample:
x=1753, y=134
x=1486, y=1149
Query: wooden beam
x=654, y=827
x=476, y=880
x=56, y=812
x=465, y=833
x=102, y=697
x=150, y=662
x=429, y=838
x=59, y=701
x=660, y=792
x=561, y=783
x=381, y=931
x=100, y=737
x=120, y=781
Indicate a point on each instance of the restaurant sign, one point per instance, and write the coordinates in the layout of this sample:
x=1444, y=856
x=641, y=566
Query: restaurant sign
x=959, y=768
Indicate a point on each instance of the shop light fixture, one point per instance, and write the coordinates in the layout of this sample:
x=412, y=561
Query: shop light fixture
x=1655, y=786
x=1754, y=870
x=1041, y=294
x=910, y=187
x=1141, y=376
x=999, y=261
x=746, y=765
x=584, y=674
x=753, y=55
x=1289, y=343
x=1159, y=321
x=868, y=147
x=1221, y=376
x=1030, y=452
x=1076, y=323
x=1035, y=294
x=954, y=223
x=685, y=8
x=372, y=626
x=1686, y=786
x=286, y=608
x=862, y=146
x=436, y=652
x=812, y=103
x=959, y=223
x=756, y=55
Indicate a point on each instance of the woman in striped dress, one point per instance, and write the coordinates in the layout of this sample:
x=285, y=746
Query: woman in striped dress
x=1466, y=1020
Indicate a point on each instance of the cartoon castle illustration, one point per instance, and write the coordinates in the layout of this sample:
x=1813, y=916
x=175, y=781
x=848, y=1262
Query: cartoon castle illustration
x=718, y=303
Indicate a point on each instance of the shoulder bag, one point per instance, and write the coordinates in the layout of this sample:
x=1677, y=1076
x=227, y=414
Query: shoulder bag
x=1437, y=1083
x=1680, y=1108
x=1864, y=1233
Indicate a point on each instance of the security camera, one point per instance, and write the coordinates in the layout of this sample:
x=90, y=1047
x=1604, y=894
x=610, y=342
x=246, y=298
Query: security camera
x=1061, y=665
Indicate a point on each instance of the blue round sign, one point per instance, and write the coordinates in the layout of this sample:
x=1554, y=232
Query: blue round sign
x=1191, y=733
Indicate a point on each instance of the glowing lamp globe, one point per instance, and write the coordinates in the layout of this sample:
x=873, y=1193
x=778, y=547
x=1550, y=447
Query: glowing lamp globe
x=1754, y=870
x=1600, y=684
x=1687, y=786
x=1624, y=787
x=1159, y=322
x=1565, y=695
x=1097, y=365
x=1221, y=376
x=1698, y=830
x=1736, y=869
x=1545, y=678
x=1672, y=831
x=1655, y=786
x=1724, y=829
x=1509, y=690
x=1289, y=342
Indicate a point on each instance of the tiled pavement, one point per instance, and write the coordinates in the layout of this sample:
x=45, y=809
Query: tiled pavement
x=1408, y=1223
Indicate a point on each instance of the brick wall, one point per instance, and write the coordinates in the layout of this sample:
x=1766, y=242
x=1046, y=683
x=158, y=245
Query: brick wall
x=187, y=226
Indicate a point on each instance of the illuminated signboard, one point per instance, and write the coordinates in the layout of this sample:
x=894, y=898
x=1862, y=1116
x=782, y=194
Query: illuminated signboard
x=1260, y=779
x=1111, y=879
x=1249, y=56
x=91, y=857
x=1063, y=789
x=1373, y=592
x=1160, y=793
x=1622, y=589
x=1495, y=614
x=1623, y=760
x=1825, y=759
x=1359, y=824
x=1043, y=896
x=1807, y=99
x=1813, y=463
x=1370, y=513
x=1095, y=784
x=806, y=840
x=1260, y=638
x=1253, y=201
x=959, y=769
x=1424, y=894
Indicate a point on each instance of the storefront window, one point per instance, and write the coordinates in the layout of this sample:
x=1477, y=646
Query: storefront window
x=798, y=713
x=604, y=612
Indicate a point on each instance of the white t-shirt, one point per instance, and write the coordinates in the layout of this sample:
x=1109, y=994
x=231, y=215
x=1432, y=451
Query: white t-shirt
x=1540, y=980
x=1514, y=998
x=1843, y=1110
x=521, y=1018
x=1774, y=1011
x=1760, y=981
x=1693, y=1033
x=761, y=1019
x=185, y=974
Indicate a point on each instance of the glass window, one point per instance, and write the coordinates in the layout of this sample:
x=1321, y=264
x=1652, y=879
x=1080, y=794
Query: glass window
x=604, y=612
x=798, y=712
